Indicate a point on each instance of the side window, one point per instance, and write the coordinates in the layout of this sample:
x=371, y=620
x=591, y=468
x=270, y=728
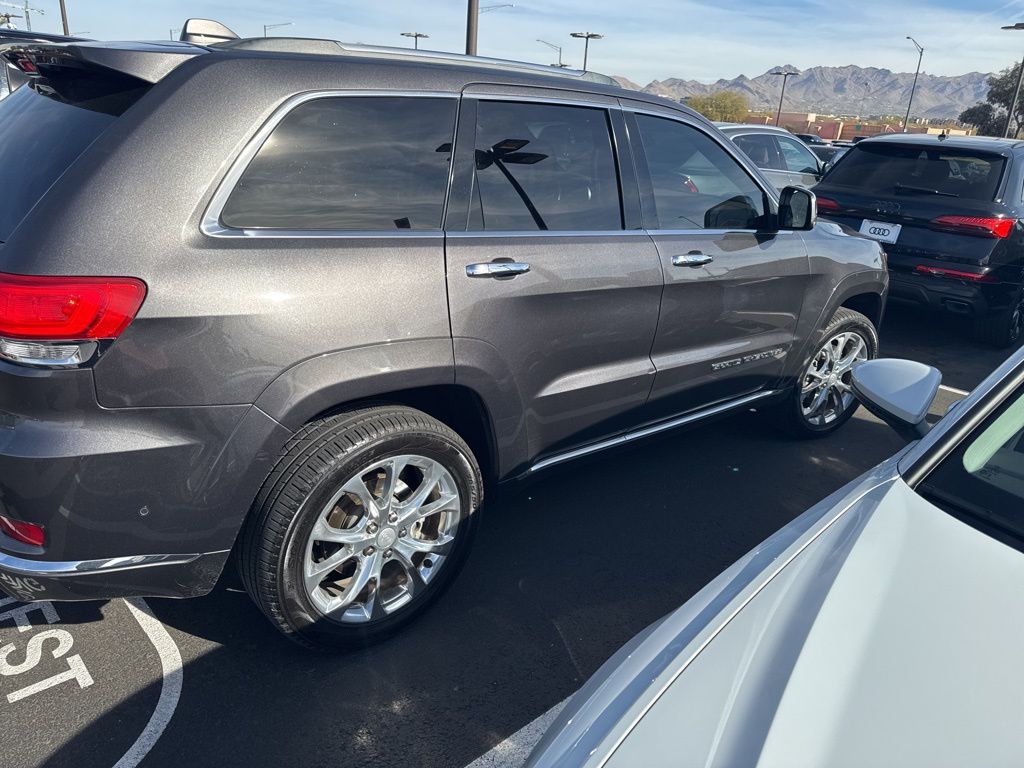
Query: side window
x=697, y=185
x=544, y=167
x=798, y=158
x=349, y=163
x=761, y=148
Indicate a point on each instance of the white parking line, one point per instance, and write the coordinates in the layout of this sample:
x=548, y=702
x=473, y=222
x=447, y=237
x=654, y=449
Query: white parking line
x=513, y=751
x=170, y=689
x=954, y=390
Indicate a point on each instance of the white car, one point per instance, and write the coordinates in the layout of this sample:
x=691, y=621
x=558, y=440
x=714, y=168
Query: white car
x=884, y=627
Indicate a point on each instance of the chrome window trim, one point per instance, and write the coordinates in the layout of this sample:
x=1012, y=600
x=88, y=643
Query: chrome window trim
x=211, y=225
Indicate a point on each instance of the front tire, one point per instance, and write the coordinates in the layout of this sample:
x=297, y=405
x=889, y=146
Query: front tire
x=822, y=399
x=364, y=522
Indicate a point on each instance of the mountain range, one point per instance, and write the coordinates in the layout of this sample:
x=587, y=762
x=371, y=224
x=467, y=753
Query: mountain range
x=849, y=90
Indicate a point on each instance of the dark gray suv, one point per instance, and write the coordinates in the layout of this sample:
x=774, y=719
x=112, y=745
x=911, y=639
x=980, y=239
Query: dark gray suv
x=295, y=302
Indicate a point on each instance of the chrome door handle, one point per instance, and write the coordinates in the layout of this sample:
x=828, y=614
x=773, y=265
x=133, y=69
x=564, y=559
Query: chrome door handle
x=692, y=259
x=497, y=269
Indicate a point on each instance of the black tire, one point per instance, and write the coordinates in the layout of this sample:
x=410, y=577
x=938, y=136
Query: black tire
x=316, y=462
x=1002, y=329
x=789, y=412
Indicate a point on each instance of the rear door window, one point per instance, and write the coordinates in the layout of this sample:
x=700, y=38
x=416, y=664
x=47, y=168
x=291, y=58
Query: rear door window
x=796, y=156
x=893, y=169
x=544, y=167
x=45, y=126
x=354, y=163
x=697, y=184
x=762, y=149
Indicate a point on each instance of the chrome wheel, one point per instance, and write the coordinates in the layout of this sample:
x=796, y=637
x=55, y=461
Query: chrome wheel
x=825, y=392
x=381, y=539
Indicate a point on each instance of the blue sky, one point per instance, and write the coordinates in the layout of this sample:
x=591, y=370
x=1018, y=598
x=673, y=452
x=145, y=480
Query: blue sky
x=645, y=39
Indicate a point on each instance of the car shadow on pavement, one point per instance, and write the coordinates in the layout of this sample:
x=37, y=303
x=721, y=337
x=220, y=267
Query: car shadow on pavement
x=565, y=570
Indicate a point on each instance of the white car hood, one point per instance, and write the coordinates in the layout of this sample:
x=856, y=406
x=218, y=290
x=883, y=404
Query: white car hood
x=896, y=638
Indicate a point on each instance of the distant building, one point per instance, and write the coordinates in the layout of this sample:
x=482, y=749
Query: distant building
x=846, y=129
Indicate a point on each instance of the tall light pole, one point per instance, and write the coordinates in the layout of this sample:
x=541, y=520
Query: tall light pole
x=415, y=38
x=472, y=22
x=63, y=17
x=275, y=26
x=920, y=55
x=1016, y=91
x=587, y=37
x=554, y=47
x=785, y=77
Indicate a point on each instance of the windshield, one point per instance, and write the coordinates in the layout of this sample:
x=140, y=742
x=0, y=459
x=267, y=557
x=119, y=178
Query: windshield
x=982, y=481
x=895, y=169
x=44, y=131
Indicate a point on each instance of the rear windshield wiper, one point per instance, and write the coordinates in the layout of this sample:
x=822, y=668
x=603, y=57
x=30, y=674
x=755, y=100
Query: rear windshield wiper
x=924, y=190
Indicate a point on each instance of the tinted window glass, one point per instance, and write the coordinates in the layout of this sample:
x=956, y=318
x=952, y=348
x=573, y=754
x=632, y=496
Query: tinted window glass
x=760, y=148
x=43, y=130
x=697, y=185
x=544, y=166
x=880, y=168
x=982, y=481
x=350, y=163
x=796, y=156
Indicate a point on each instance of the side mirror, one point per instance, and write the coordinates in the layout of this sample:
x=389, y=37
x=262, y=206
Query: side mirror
x=205, y=32
x=899, y=392
x=798, y=209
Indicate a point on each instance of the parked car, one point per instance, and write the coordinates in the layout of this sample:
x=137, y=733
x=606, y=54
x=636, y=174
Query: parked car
x=811, y=139
x=880, y=628
x=308, y=327
x=779, y=154
x=948, y=211
x=828, y=154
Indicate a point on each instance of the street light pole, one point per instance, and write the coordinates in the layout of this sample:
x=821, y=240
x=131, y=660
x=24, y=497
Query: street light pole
x=920, y=55
x=472, y=22
x=64, y=18
x=415, y=38
x=554, y=47
x=785, y=77
x=587, y=37
x=1016, y=91
x=275, y=26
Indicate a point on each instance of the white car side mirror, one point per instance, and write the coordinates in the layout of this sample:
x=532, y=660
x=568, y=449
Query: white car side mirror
x=899, y=392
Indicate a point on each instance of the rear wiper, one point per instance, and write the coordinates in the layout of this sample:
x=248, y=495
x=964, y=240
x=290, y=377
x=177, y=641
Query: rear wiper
x=924, y=190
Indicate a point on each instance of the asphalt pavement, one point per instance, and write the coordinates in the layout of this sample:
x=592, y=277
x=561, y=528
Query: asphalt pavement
x=565, y=570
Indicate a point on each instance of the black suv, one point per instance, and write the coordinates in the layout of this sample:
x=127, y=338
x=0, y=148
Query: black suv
x=297, y=301
x=947, y=210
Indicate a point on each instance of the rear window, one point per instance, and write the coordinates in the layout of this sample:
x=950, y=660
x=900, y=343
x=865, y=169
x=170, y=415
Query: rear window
x=355, y=163
x=892, y=169
x=44, y=127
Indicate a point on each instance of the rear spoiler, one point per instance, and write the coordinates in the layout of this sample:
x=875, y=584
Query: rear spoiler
x=26, y=56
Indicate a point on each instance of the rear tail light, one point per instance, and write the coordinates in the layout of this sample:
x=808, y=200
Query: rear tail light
x=26, y=533
x=827, y=204
x=984, y=226
x=36, y=311
x=974, y=277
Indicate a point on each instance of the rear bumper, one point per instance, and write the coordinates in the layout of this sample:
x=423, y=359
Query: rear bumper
x=942, y=294
x=134, y=501
x=139, y=576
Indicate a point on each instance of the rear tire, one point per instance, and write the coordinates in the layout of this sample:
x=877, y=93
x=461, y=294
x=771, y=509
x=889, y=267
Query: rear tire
x=1002, y=329
x=821, y=400
x=366, y=519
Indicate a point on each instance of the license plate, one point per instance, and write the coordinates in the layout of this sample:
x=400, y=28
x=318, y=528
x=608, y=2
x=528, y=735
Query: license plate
x=880, y=230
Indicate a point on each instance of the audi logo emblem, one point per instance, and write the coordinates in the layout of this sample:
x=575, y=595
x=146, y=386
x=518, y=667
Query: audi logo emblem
x=887, y=206
x=880, y=231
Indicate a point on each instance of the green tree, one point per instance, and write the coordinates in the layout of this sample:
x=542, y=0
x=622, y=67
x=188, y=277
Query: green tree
x=989, y=116
x=723, y=106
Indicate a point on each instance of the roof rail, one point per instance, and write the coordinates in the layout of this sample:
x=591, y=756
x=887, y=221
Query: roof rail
x=333, y=47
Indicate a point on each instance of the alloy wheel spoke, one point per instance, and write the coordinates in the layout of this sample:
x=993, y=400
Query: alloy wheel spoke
x=357, y=487
x=410, y=545
x=367, y=570
x=431, y=477
x=322, y=531
x=414, y=583
x=315, y=572
x=445, y=501
x=392, y=473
